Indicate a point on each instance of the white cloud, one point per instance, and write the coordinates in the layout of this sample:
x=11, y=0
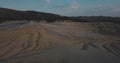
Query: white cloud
x=74, y=4
x=105, y=10
x=69, y=8
x=48, y=1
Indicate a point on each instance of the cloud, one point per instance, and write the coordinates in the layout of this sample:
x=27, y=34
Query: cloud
x=74, y=4
x=48, y=1
x=98, y=10
x=73, y=7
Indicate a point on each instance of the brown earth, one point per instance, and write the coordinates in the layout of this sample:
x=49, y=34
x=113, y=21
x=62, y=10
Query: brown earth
x=31, y=42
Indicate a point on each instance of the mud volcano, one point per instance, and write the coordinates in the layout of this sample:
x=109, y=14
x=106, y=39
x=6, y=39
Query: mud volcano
x=31, y=42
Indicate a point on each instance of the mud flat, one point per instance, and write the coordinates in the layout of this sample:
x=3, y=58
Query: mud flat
x=31, y=42
x=113, y=47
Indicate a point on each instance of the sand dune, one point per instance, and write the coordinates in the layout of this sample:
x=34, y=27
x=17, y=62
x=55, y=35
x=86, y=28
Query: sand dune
x=31, y=42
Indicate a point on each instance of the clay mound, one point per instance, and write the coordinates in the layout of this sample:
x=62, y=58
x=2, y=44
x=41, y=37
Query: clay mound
x=113, y=47
x=32, y=42
x=21, y=41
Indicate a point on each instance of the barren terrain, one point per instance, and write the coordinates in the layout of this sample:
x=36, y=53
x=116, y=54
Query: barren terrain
x=31, y=42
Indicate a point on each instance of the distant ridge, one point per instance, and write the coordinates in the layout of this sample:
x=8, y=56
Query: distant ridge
x=10, y=14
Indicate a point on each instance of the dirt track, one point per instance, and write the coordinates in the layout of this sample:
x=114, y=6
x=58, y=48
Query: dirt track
x=30, y=42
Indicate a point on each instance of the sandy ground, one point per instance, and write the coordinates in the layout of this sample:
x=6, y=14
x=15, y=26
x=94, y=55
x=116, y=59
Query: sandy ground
x=30, y=42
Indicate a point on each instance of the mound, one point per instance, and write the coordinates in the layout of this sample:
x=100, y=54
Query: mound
x=31, y=42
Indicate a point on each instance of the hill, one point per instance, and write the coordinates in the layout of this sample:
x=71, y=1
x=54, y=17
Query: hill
x=33, y=42
x=9, y=14
x=99, y=18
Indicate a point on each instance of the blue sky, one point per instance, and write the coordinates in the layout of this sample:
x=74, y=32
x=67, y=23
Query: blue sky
x=67, y=7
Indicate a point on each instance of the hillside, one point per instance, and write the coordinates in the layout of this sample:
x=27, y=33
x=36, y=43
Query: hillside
x=33, y=42
x=107, y=28
x=9, y=14
x=99, y=18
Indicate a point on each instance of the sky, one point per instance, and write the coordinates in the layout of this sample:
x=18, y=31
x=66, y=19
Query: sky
x=67, y=7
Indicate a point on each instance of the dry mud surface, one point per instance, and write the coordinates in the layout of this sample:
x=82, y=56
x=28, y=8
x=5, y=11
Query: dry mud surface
x=30, y=42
